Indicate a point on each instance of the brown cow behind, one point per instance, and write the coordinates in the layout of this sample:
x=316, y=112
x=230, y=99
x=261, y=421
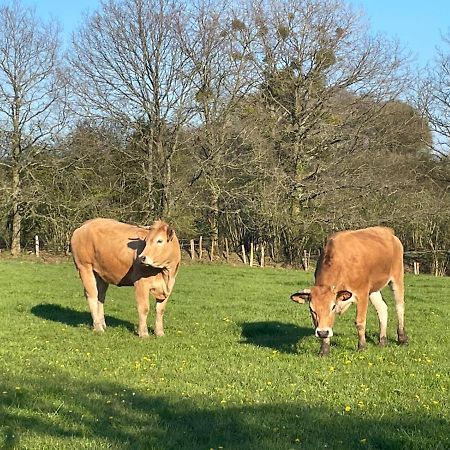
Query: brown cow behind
x=109, y=252
x=353, y=268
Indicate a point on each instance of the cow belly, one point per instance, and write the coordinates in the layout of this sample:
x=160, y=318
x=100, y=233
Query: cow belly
x=378, y=283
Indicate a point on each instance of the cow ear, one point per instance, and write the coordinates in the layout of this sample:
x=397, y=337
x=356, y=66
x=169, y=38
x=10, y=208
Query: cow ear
x=170, y=234
x=302, y=296
x=342, y=296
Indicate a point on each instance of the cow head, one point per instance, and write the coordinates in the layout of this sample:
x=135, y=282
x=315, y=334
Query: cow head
x=158, y=250
x=324, y=303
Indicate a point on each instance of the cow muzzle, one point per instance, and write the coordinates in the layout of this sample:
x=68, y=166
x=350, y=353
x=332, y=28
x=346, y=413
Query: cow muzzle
x=324, y=333
x=145, y=260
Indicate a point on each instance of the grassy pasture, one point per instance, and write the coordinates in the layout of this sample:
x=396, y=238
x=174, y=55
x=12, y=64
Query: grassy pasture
x=238, y=368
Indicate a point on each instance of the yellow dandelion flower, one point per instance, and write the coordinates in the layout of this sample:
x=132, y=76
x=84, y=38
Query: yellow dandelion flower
x=348, y=408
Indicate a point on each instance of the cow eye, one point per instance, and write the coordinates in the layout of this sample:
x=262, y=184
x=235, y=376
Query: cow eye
x=334, y=307
x=159, y=241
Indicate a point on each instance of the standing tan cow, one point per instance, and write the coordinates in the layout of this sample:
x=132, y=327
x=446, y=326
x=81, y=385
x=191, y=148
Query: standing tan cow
x=109, y=252
x=353, y=268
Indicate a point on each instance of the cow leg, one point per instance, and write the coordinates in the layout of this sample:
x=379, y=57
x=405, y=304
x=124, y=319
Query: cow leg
x=398, y=290
x=91, y=293
x=160, y=308
x=382, y=312
x=325, y=347
x=142, y=293
x=361, y=317
x=102, y=286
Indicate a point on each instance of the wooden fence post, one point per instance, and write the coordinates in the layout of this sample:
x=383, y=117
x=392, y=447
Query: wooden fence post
x=251, y=254
x=262, y=255
x=244, y=256
x=227, y=253
x=36, y=245
x=200, y=247
x=416, y=268
x=192, y=249
x=211, y=254
x=306, y=258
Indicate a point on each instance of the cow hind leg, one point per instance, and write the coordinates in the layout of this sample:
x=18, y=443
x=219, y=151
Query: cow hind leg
x=102, y=287
x=398, y=290
x=91, y=293
x=382, y=311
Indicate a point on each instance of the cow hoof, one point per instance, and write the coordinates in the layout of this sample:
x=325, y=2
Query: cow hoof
x=403, y=340
x=383, y=341
x=159, y=333
x=98, y=328
x=143, y=335
x=361, y=347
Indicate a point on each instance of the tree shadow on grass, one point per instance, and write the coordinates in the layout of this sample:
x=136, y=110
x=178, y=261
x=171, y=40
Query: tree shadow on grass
x=277, y=335
x=74, y=318
x=111, y=414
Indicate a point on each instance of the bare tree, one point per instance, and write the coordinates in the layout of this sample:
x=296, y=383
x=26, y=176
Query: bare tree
x=32, y=94
x=127, y=63
x=323, y=79
x=216, y=44
x=434, y=98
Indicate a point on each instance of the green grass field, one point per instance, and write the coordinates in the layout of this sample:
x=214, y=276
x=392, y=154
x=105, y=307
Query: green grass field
x=238, y=368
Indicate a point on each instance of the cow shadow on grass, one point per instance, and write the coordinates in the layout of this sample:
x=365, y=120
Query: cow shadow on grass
x=276, y=335
x=74, y=318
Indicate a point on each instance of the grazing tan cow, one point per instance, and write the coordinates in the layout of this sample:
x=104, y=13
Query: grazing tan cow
x=109, y=252
x=353, y=267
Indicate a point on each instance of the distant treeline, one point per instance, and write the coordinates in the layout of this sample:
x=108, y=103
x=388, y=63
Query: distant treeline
x=271, y=122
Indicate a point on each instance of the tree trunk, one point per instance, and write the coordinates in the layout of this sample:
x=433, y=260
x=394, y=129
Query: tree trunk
x=214, y=221
x=166, y=204
x=149, y=176
x=16, y=214
x=16, y=185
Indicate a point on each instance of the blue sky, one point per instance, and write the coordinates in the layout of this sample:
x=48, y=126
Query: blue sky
x=417, y=24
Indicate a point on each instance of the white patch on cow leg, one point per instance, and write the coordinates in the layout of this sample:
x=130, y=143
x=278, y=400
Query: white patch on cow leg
x=101, y=314
x=398, y=291
x=102, y=287
x=159, y=325
x=382, y=312
x=96, y=320
x=91, y=293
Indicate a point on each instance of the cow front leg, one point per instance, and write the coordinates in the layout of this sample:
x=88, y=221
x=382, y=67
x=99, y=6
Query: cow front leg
x=382, y=312
x=325, y=347
x=142, y=304
x=159, y=324
x=361, y=317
